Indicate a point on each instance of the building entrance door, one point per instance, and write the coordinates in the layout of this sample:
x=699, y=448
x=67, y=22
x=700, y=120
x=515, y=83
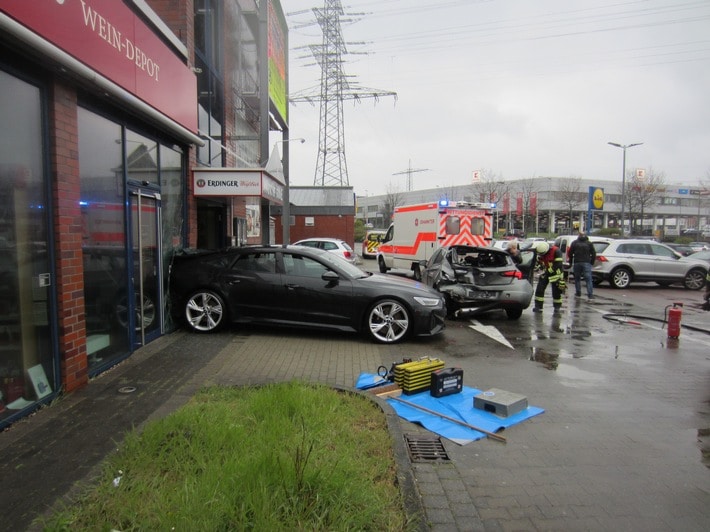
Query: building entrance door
x=143, y=313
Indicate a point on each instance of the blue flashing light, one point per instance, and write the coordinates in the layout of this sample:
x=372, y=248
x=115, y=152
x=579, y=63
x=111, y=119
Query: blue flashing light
x=443, y=203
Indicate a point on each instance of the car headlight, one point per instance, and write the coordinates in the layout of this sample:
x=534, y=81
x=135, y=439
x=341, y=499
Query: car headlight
x=427, y=301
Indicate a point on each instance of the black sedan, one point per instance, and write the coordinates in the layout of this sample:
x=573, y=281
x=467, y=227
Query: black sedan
x=299, y=287
x=480, y=279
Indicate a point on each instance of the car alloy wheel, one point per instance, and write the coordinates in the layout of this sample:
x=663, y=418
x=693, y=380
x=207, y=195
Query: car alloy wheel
x=694, y=280
x=388, y=321
x=620, y=278
x=205, y=311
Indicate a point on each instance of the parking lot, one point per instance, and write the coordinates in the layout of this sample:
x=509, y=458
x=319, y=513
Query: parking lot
x=623, y=443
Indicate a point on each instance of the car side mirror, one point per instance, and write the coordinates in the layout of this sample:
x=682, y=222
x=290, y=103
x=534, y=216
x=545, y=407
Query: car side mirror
x=331, y=277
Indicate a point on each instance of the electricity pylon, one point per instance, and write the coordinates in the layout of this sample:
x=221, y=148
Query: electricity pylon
x=409, y=171
x=335, y=88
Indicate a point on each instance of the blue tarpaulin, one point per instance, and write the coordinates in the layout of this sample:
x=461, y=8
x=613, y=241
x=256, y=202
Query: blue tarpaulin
x=457, y=406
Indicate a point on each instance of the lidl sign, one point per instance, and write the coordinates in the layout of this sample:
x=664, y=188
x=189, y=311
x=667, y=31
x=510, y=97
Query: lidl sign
x=596, y=199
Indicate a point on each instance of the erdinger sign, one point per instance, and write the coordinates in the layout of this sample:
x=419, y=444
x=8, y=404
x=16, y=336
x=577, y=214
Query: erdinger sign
x=237, y=182
x=109, y=38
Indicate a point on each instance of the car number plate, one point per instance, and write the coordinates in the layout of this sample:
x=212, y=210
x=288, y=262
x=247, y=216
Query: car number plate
x=481, y=294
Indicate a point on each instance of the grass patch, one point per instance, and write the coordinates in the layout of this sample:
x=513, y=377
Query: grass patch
x=286, y=456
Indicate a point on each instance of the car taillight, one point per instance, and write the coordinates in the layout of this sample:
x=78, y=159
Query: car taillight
x=346, y=254
x=602, y=258
x=517, y=274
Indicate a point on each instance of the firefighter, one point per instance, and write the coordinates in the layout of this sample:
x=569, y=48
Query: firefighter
x=550, y=257
x=706, y=305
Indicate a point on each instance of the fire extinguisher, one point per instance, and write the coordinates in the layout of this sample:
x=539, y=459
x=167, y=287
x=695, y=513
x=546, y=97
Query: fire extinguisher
x=674, y=314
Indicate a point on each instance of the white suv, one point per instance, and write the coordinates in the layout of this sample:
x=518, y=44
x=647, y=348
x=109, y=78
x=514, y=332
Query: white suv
x=622, y=261
x=563, y=242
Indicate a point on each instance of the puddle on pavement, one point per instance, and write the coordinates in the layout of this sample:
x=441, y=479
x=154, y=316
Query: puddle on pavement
x=572, y=375
x=704, y=444
x=544, y=357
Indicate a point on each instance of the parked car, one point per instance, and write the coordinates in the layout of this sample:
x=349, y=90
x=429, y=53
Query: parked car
x=563, y=242
x=622, y=262
x=332, y=245
x=514, y=233
x=501, y=244
x=480, y=279
x=683, y=249
x=533, y=239
x=699, y=246
x=299, y=286
x=701, y=255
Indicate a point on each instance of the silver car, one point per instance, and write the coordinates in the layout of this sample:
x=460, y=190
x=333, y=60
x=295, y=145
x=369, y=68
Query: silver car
x=480, y=279
x=333, y=245
x=622, y=262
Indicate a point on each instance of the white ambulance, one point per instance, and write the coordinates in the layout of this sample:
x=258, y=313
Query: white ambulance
x=419, y=230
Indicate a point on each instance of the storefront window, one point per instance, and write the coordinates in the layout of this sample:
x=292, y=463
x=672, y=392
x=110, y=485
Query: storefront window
x=173, y=208
x=27, y=363
x=142, y=159
x=103, y=238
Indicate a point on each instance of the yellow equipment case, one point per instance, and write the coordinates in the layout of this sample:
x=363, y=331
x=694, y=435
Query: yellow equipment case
x=415, y=377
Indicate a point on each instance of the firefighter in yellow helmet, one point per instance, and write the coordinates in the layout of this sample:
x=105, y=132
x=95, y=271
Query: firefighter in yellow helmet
x=550, y=257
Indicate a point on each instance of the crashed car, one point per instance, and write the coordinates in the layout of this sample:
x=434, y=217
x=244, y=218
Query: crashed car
x=477, y=279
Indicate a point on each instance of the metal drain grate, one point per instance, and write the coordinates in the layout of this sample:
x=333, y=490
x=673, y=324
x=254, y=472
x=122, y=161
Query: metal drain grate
x=426, y=449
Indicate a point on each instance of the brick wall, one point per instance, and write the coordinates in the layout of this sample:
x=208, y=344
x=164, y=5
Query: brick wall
x=68, y=234
x=330, y=226
x=178, y=16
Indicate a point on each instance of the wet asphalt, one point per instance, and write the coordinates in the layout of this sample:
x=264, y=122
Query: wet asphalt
x=624, y=443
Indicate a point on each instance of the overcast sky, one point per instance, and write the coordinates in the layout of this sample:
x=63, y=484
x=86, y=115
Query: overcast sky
x=512, y=88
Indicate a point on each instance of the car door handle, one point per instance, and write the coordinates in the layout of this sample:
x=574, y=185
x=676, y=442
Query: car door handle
x=234, y=281
x=293, y=286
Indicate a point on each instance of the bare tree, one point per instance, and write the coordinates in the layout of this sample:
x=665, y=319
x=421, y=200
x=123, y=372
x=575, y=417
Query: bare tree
x=528, y=188
x=642, y=193
x=571, y=195
x=393, y=198
x=489, y=188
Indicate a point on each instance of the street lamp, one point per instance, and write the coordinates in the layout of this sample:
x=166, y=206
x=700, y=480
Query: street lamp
x=286, y=209
x=623, y=177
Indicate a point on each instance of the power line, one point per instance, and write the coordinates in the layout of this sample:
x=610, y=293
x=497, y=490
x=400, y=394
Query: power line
x=335, y=88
